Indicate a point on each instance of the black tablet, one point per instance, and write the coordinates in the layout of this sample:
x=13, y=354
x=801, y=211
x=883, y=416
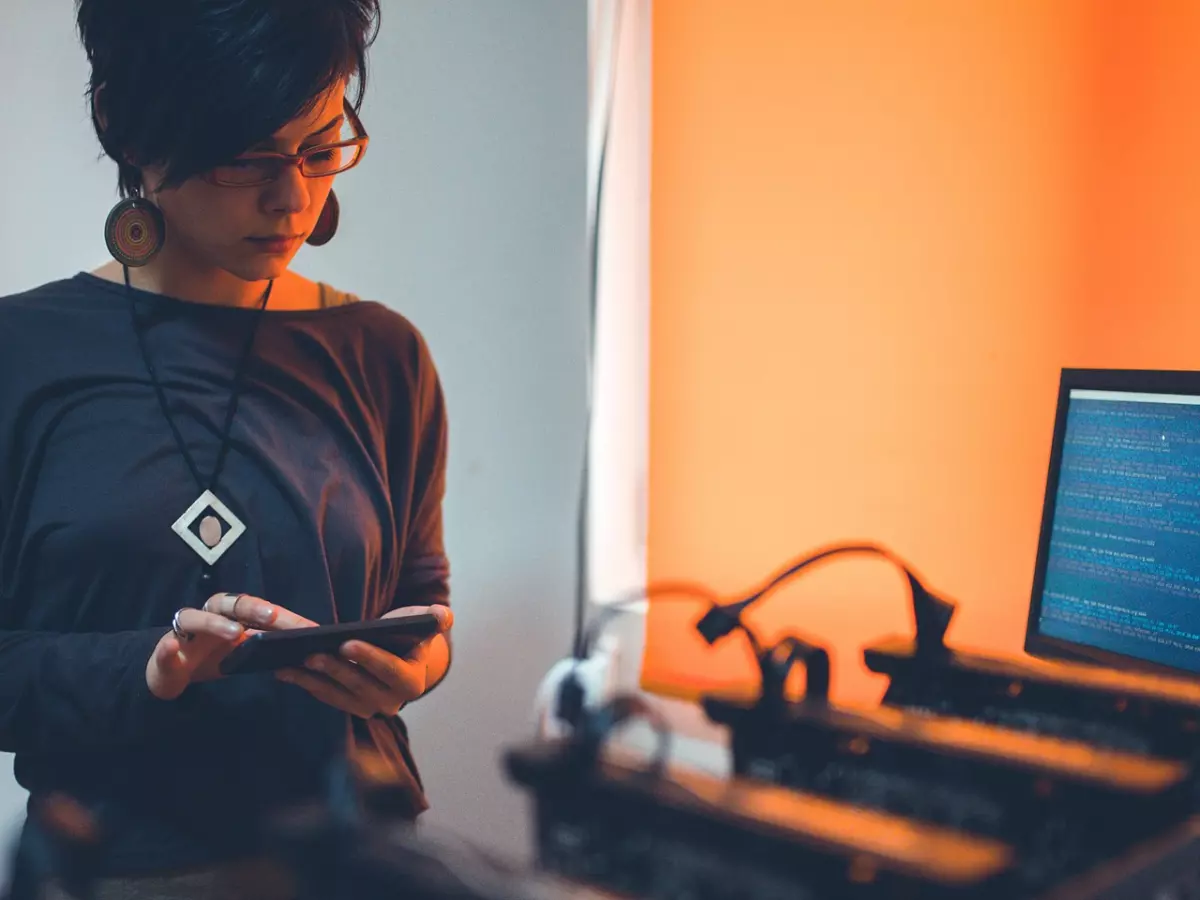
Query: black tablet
x=267, y=651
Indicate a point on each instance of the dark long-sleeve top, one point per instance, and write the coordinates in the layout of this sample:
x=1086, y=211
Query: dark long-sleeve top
x=336, y=467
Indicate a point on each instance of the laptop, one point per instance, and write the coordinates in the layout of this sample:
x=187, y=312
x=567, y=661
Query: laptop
x=1117, y=579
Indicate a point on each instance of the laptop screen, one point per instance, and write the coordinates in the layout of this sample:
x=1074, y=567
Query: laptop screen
x=1118, y=575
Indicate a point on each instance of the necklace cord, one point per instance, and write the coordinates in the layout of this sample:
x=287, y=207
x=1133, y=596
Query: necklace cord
x=235, y=392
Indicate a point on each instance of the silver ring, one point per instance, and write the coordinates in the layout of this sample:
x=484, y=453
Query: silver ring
x=178, y=629
x=233, y=611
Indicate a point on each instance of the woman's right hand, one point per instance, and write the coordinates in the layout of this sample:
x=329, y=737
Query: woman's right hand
x=176, y=663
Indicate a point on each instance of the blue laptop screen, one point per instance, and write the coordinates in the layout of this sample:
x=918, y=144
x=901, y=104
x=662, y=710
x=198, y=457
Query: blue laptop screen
x=1123, y=568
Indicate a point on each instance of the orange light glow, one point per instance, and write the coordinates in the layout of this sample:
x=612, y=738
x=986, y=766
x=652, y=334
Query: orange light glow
x=878, y=232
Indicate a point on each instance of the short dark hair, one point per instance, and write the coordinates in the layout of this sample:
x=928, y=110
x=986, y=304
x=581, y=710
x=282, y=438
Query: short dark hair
x=189, y=84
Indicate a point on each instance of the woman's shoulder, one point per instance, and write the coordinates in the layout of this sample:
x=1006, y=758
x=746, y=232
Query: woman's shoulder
x=386, y=345
x=383, y=328
x=47, y=327
x=62, y=292
x=47, y=311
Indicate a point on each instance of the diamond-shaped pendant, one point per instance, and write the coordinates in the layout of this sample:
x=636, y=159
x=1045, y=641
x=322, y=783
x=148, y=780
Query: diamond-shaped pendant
x=209, y=527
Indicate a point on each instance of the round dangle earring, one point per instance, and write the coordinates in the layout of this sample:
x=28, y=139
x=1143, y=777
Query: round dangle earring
x=327, y=224
x=135, y=231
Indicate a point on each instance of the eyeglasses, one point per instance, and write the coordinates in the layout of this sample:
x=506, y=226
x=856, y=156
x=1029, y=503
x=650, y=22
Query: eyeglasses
x=321, y=161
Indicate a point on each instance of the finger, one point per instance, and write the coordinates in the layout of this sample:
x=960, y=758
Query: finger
x=355, y=679
x=176, y=659
x=402, y=674
x=241, y=608
x=326, y=691
x=166, y=653
x=199, y=623
x=206, y=634
x=251, y=610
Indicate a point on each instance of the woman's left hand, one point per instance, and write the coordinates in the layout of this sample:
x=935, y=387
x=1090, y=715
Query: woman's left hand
x=367, y=681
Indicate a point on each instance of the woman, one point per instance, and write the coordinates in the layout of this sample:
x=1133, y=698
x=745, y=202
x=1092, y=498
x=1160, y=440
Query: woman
x=196, y=442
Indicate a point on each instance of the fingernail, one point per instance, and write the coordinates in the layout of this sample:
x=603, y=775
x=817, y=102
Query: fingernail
x=283, y=676
x=231, y=629
x=316, y=662
x=264, y=615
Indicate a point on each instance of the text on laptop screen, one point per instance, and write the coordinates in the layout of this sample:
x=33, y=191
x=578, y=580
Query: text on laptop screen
x=1123, y=568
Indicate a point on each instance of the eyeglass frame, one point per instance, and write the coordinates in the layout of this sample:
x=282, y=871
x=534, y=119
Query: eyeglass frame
x=297, y=159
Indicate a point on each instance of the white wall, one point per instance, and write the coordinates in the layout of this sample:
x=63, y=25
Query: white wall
x=468, y=215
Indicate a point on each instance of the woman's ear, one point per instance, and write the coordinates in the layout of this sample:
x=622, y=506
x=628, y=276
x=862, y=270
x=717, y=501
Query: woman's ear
x=98, y=115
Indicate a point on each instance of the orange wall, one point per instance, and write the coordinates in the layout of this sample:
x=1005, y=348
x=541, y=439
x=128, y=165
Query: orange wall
x=1141, y=246
x=878, y=231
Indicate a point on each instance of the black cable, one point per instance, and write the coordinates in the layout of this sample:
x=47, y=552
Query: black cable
x=932, y=613
x=723, y=618
x=677, y=590
x=932, y=616
x=583, y=508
